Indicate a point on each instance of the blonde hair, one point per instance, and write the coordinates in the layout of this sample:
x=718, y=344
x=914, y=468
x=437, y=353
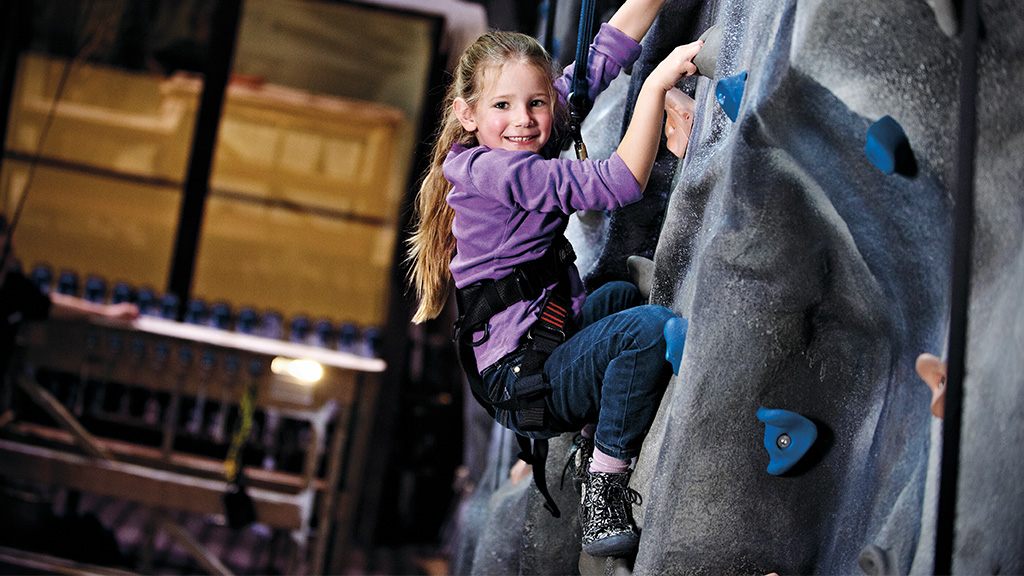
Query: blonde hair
x=432, y=245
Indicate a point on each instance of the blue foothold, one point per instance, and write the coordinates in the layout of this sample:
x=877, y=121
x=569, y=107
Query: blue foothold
x=729, y=92
x=884, y=140
x=787, y=437
x=675, y=339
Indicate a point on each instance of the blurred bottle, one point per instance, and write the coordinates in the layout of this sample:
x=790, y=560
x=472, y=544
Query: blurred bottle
x=300, y=329
x=322, y=334
x=220, y=316
x=145, y=299
x=95, y=290
x=195, y=312
x=68, y=283
x=121, y=293
x=42, y=277
x=370, y=345
x=248, y=321
x=348, y=337
x=272, y=325
x=169, y=307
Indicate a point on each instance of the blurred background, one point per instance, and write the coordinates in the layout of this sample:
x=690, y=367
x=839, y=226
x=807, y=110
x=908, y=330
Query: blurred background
x=242, y=171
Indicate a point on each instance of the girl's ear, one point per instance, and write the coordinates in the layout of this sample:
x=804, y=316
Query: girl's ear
x=465, y=115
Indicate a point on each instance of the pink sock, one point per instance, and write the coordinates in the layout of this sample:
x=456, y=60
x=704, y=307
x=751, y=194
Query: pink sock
x=588, y=431
x=609, y=464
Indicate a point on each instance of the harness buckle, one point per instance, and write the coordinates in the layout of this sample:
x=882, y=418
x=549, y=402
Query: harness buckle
x=523, y=282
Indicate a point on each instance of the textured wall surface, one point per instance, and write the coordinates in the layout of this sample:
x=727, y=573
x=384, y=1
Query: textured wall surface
x=812, y=280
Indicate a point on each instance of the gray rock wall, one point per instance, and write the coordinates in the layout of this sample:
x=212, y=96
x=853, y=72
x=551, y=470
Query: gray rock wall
x=812, y=280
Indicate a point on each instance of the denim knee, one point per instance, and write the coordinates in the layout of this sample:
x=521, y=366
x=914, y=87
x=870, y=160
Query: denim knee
x=649, y=326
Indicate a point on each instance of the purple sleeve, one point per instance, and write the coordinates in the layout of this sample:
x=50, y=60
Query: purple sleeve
x=554, y=185
x=610, y=52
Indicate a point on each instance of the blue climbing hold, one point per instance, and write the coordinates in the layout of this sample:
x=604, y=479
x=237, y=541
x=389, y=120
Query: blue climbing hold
x=886, y=142
x=675, y=339
x=787, y=437
x=729, y=92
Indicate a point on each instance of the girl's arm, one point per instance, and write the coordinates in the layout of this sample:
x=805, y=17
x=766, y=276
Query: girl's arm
x=639, y=145
x=635, y=17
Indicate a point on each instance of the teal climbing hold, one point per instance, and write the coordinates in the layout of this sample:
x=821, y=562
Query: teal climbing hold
x=729, y=92
x=675, y=339
x=787, y=437
x=886, y=144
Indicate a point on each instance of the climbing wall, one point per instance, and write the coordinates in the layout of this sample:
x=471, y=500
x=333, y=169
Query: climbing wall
x=810, y=248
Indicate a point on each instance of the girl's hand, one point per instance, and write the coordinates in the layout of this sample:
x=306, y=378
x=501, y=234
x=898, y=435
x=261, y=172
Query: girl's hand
x=639, y=145
x=676, y=66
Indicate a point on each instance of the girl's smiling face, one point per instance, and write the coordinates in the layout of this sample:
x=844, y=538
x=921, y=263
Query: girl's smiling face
x=515, y=109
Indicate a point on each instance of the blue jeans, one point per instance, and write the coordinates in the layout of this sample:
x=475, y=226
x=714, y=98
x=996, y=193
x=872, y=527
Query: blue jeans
x=613, y=372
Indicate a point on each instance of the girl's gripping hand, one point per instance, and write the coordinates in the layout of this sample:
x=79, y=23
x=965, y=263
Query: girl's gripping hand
x=639, y=145
x=676, y=66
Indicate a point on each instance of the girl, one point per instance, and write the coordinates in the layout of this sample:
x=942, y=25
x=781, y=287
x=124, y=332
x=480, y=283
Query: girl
x=491, y=211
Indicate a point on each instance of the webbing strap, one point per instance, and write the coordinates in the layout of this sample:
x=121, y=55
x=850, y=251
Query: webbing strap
x=537, y=457
x=552, y=327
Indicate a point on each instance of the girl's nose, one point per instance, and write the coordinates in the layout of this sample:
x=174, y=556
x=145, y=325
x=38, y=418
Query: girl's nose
x=524, y=118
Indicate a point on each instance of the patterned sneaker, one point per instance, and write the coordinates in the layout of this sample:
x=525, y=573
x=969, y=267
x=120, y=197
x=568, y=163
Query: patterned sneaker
x=577, y=460
x=606, y=515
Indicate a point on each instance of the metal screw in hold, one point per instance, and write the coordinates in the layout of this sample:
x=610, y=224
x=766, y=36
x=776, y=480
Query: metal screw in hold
x=783, y=441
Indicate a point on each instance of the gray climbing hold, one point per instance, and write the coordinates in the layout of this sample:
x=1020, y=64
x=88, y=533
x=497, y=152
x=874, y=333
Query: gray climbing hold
x=945, y=16
x=641, y=270
x=590, y=218
x=598, y=566
x=707, y=58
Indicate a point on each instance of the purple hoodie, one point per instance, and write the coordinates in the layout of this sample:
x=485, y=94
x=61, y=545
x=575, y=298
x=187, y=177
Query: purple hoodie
x=509, y=205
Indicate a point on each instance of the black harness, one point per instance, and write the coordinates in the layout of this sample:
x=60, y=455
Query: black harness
x=480, y=301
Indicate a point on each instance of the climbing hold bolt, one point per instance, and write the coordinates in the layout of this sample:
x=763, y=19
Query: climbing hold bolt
x=729, y=92
x=675, y=339
x=787, y=437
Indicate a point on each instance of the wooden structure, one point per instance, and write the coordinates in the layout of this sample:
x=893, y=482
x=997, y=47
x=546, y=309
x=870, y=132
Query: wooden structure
x=199, y=378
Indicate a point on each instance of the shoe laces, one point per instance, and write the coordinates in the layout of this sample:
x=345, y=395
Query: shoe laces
x=582, y=447
x=609, y=500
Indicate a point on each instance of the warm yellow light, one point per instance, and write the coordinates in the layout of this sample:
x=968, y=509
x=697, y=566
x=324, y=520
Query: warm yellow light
x=305, y=370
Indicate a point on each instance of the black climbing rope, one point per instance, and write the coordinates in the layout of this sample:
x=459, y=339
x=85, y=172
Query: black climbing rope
x=963, y=220
x=578, y=98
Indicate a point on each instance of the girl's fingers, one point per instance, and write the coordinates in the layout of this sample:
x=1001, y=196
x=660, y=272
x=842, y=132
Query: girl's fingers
x=688, y=51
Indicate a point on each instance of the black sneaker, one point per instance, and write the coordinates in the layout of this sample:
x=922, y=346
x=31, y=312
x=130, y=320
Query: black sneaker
x=606, y=515
x=577, y=460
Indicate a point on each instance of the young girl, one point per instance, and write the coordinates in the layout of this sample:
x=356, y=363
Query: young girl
x=491, y=212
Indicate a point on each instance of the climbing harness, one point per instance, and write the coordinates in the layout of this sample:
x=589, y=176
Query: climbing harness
x=478, y=302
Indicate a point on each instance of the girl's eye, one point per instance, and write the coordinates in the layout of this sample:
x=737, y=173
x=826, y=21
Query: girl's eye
x=501, y=105
x=538, y=103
